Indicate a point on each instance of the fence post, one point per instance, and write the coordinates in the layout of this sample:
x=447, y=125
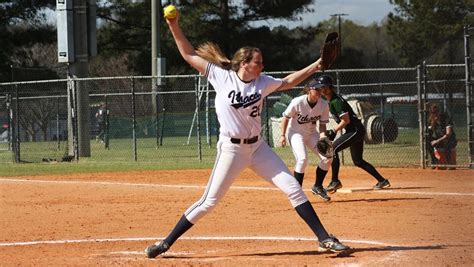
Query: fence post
x=58, y=125
x=134, y=122
x=469, y=104
x=382, y=110
x=162, y=126
x=157, y=120
x=267, y=121
x=17, y=126
x=198, y=124
x=421, y=118
x=107, y=124
x=10, y=121
x=338, y=90
x=74, y=146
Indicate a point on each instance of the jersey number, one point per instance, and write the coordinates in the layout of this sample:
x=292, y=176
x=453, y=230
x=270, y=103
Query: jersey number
x=255, y=111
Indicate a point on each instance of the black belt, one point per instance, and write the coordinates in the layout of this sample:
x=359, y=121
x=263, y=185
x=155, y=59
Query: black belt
x=244, y=141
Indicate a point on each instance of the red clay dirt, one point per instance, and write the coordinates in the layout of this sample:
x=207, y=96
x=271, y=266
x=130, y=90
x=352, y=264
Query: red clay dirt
x=424, y=219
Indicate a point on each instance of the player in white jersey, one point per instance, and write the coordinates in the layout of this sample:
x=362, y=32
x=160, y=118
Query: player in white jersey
x=302, y=115
x=240, y=89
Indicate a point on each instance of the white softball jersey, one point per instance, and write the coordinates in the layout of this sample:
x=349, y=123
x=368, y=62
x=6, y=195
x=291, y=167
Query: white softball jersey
x=303, y=117
x=239, y=104
x=302, y=131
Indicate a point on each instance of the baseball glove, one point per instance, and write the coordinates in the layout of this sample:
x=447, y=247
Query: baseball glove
x=324, y=146
x=330, y=50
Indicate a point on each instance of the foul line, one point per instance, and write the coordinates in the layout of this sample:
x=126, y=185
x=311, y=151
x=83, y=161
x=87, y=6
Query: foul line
x=425, y=193
x=220, y=238
x=398, y=191
x=129, y=184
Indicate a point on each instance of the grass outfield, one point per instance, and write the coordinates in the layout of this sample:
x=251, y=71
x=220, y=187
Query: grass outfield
x=177, y=154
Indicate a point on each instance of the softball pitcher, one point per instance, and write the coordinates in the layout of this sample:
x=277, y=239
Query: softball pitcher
x=302, y=115
x=240, y=89
x=353, y=136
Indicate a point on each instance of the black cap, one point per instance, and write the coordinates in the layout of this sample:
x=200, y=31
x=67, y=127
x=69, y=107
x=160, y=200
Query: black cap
x=323, y=80
x=312, y=85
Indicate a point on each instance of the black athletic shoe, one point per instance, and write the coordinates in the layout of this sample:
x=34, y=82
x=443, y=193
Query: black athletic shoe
x=156, y=249
x=333, y=186
x=320, y=192
x=381, y=185
x=333, y=244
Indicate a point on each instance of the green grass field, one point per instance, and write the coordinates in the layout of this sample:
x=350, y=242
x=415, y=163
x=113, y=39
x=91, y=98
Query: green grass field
x=175, y=153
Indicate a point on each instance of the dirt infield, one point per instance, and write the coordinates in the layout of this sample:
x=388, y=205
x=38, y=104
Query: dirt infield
x=425, y=219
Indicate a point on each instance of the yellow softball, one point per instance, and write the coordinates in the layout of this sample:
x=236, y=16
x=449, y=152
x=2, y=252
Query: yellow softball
x=170, y=12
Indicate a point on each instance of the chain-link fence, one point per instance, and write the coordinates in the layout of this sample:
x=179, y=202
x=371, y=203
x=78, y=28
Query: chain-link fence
x=445, y=92
x=33, y=118
x=377, y=97
x=129, y=121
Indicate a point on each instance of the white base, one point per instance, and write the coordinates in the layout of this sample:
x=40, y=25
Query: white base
x=354, y=189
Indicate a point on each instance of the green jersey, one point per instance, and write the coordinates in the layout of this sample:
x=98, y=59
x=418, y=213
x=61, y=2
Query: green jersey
x=338, y=106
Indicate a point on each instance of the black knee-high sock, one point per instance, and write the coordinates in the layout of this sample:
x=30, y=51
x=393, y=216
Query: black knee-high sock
x=320, y=174
x=308, y=214
x=370, y=169
x=181, y=227
x=299, y=177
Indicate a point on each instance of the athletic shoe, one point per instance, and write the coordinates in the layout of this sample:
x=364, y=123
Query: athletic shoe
x=333, y=186
x=320, y=192
x=333, y=244
x=156, y=249
x=381, y=185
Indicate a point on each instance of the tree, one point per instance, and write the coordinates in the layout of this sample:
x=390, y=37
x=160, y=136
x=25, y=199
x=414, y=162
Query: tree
x=22, y=24
x=126, y=28
x=428, y=29
x=43, y=111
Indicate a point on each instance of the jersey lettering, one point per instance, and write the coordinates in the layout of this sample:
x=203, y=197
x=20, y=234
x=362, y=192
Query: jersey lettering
x=304, y=119
x=238, y=101
x=255, y=111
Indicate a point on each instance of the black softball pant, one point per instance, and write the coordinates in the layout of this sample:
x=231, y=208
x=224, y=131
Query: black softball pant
x=353, y=139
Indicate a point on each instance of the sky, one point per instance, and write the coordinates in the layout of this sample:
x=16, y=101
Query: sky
x=362, y=12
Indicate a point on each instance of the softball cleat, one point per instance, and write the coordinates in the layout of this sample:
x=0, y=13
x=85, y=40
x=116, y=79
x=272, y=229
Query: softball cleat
x=333, y=186
x=381, y=185
x=320, y=192
x=156, y=249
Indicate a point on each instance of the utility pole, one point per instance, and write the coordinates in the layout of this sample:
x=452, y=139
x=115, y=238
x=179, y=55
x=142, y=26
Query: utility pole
x=79, y=69
x=339, y=15
x=155, y=31
x=157, y=63
x=76, y=27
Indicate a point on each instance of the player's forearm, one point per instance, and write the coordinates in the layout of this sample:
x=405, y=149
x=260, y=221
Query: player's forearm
x=449, y=131
x=341, y=125
x=299, y=76
x=345, y=120
x=284, y=126
x=186, y=49
x=322, y=127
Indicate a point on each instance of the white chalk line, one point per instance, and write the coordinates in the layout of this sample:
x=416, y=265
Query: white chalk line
x=232, y=187
x=130, y=184
x=385, y=191
x=219, y=238
x=127, y=253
